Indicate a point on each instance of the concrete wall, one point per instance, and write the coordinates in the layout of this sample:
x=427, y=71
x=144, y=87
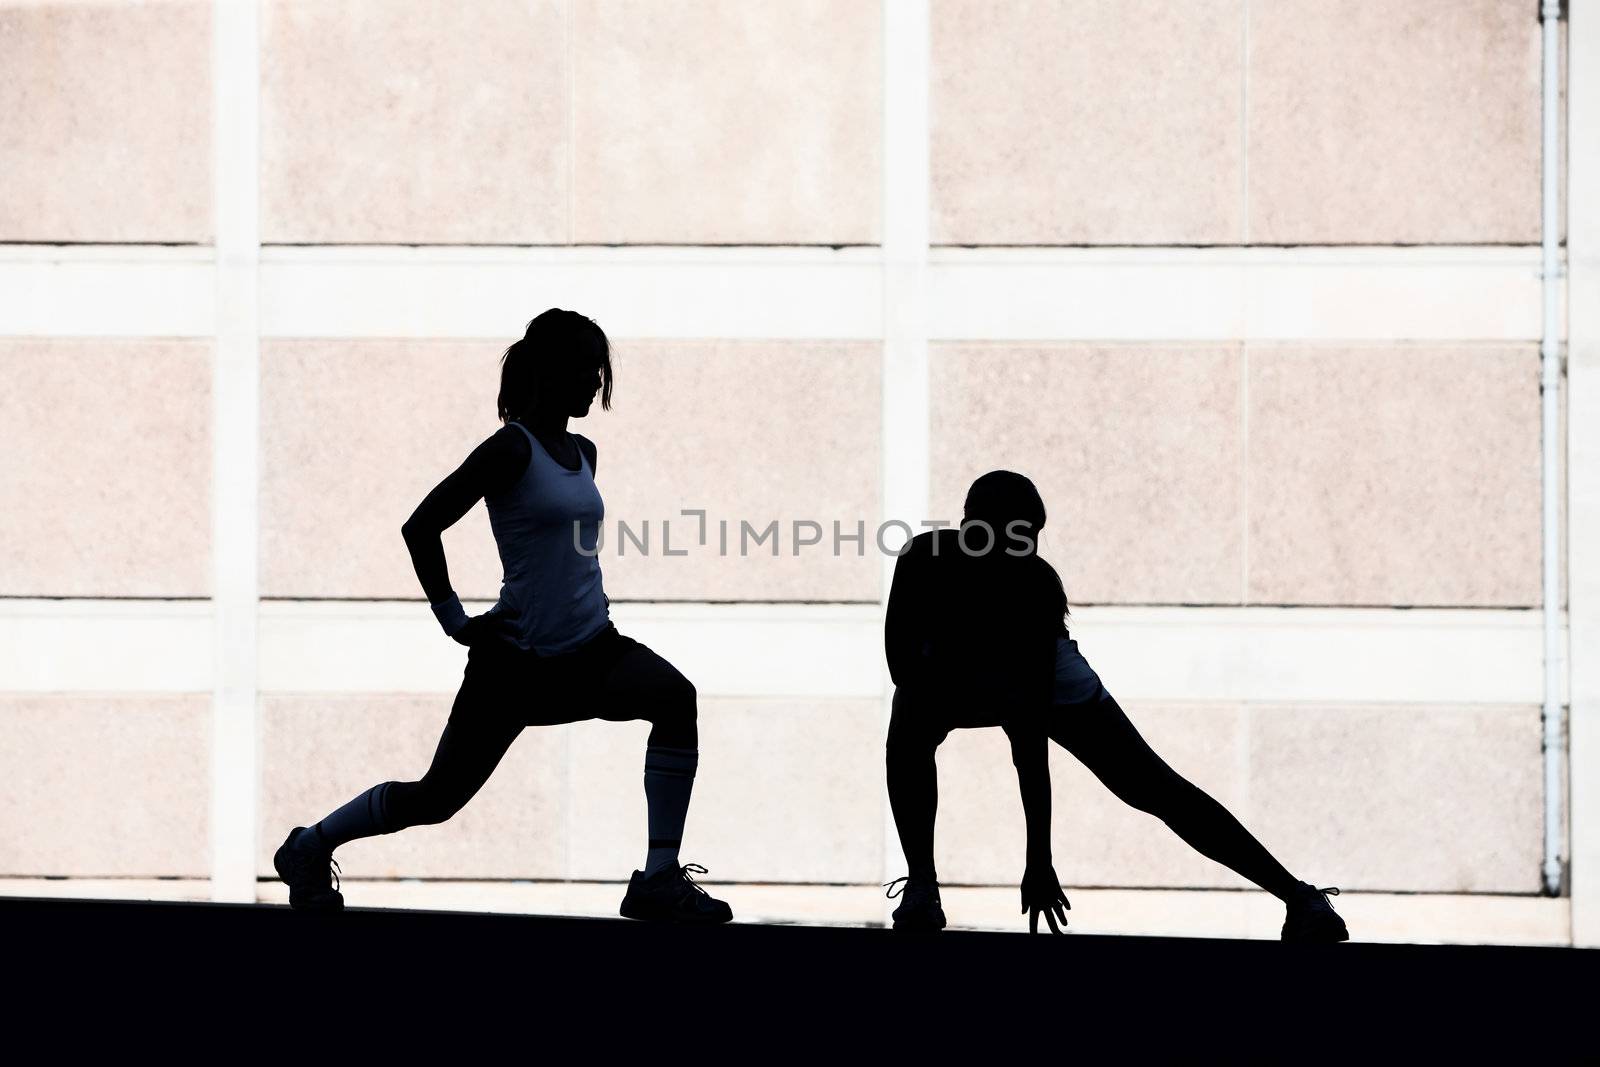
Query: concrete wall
x=1249, y=289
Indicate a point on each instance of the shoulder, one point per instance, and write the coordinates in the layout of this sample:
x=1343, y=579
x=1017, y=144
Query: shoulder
x=918, y=547
x=588, y=447
x=941, y=543
x=512, y=441
x=926, y=549
x=928, y=541
x=503, y=457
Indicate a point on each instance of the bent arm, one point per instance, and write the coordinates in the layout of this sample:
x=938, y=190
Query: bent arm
x=491, y=467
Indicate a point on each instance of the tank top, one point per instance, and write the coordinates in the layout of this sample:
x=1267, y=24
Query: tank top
x=551, y=598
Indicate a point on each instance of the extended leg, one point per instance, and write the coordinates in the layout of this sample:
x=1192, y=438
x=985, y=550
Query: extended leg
x=480, y=729
x=1099, y=734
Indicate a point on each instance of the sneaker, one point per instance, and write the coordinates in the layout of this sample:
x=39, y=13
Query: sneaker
x=920, y=910
x=1311, y=916
x=671, y=896
x=305, y=870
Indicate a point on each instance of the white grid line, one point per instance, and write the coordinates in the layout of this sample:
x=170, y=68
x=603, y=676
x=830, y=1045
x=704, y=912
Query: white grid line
x=235, y=764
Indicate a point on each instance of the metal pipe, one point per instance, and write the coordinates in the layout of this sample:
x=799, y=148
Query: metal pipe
x=1549, y=428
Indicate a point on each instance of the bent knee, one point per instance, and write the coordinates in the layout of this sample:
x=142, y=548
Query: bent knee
x=681, y=699
x=673, y=714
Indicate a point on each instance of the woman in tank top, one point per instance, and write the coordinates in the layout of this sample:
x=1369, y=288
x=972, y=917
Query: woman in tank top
x=547, y=652
x=975, y=636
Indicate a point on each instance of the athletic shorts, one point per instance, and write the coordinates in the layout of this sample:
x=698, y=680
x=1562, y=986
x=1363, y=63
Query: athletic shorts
x=568, y=687
x=1076, y=681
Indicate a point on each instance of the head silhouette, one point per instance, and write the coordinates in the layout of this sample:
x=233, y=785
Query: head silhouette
x=1009, y=577
x=1010, y=505
x=556, y=369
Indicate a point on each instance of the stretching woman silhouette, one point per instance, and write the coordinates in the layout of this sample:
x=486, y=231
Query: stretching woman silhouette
x=547, y=652
x=976, y=636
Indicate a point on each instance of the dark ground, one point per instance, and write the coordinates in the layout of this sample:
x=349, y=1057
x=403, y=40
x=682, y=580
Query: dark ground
x=224, y=983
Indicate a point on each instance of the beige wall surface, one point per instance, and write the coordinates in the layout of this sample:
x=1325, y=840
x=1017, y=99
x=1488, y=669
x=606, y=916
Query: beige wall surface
x=1403, y=797
x=724, y=122
x=709, y=122
x=105, y=121
x=107, y=472
x=1367, y=475
x=1224, y=122
x=1136, y=451
x=1428, y=799
x=1412, y=798
x=1410, y=124
x=608, y=122
x=1378, y=474
x=1281, y=466
x=410, y=121
x=568, y=801
x=751, y=432
x=348, y=452
x=105, y=784
x=1086, y=123
x=1394, y=474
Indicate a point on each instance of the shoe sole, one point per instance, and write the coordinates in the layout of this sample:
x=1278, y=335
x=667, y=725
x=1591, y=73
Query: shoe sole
x=673, y=920
x=333, y=902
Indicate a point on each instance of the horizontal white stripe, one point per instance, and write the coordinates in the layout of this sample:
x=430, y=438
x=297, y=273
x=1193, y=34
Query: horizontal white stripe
x=798, y=650
x=1244, y=294
x=1315, y=654
x=69, y=646
x=726, y=650
x=1443, y=293
x=107, y=292
x=633, y=292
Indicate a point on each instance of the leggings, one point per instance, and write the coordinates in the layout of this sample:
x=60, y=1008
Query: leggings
x=1098, y=733
x=611, y=676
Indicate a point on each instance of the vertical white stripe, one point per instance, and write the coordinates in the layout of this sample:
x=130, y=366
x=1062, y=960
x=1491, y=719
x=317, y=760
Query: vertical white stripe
x=904, y=220
x=572, y=128
x=1583, y=466
x=1550, y=351
x=235, y=449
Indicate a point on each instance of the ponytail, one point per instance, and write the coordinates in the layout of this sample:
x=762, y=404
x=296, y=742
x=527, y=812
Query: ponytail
x=556, y=334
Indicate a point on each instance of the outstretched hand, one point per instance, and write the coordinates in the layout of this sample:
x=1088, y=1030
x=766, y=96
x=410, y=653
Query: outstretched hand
x=1041, y=891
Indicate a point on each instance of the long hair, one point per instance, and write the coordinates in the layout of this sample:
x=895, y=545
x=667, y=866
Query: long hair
x=1010, y=505
x=552, y=337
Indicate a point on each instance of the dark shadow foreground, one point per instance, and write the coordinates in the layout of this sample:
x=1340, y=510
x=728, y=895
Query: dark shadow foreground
x=136, y=977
